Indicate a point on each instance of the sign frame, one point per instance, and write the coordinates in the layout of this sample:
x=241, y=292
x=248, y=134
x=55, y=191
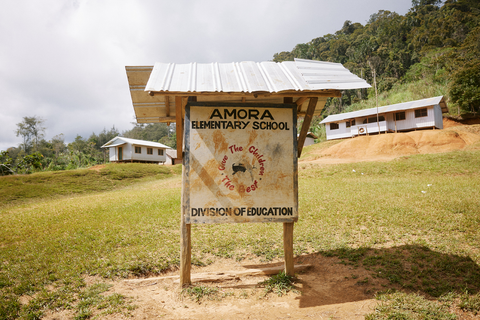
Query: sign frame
x=193, y=169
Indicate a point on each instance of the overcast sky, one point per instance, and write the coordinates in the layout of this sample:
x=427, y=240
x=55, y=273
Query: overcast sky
x=64, y=60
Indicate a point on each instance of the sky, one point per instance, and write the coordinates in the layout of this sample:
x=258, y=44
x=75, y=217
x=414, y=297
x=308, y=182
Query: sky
x=64, y=60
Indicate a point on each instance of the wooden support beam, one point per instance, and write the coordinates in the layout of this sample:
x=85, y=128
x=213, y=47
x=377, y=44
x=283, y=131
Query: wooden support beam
x=179, y=128
x=167, y=106
x=287, y=99
x=306, y=124
x=299, y=103
x=288, y=248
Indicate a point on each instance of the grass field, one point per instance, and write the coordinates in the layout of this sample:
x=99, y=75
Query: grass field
x=414, y=221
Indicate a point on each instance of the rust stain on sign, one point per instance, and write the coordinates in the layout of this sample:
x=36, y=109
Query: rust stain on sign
x=241, y=164
x=221, y=145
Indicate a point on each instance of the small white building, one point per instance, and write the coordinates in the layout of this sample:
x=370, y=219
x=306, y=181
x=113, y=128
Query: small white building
x=172, y=157
x=122, y=149
x=407, y=116
x=309, y=139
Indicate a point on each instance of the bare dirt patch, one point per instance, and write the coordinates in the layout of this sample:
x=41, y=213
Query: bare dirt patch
x=328, y=290
x=97, y=168
x=388, y=146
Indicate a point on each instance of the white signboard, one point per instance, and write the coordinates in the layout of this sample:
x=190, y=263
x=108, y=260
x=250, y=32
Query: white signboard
x=240, y=163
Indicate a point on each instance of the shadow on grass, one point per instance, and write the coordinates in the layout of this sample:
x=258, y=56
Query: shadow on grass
x=347, y=275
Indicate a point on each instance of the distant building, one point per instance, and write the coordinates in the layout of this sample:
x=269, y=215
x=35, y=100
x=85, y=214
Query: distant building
x=122, y=149
x=172, y=157
x=407, y=116
x=309, y=139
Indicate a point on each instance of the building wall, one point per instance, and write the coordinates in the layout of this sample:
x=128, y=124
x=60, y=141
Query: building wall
x=411, y=122
x=438, y=116
x=112, y=154
x=368, y=127
x=169, y=160
x=129, y=154
x=309, y=141
x=340, y=133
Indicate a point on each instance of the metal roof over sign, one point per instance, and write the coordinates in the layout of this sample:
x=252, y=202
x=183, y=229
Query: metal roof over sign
x=240, y=163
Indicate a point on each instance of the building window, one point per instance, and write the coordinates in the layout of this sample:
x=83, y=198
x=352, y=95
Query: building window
x=400, y=116
x=334, y=126
x=150, y=151
x=348, y=124
x=374, y=119
x=419, y=113
x=352, y=122
x=160, y=152
x=138, y=149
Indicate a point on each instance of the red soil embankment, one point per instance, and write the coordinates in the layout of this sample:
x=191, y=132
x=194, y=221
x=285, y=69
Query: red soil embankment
x=454, y=136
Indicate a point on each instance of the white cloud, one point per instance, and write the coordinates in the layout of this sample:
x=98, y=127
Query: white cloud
x=65, y=60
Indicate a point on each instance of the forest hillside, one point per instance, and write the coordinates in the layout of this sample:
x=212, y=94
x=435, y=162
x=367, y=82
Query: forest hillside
x=434, y=49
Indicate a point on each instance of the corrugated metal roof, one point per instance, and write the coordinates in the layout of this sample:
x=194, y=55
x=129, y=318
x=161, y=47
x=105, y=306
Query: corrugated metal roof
x=386, y=109
x=248, y=76
x=172, y=153
x=115, y=142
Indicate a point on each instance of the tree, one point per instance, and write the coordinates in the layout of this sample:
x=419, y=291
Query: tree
x=5, y=164
x=32, y=130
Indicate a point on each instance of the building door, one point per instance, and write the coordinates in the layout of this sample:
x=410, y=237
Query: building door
x=120, y=153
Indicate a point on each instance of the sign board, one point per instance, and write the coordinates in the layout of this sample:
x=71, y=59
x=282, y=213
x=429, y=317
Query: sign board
x=240, y=163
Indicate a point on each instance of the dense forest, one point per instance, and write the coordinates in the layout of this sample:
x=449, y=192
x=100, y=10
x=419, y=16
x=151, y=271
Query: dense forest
x=431, y=43
x=434, y=49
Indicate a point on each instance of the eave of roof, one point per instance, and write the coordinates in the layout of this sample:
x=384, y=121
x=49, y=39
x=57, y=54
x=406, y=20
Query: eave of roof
x=134, y=142
x=390, y=108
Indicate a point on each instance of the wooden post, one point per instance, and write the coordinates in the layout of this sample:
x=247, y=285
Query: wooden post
x=179, y=127
x=185, y=229
x=288, y=234
x=185, y=252
x=288, y=248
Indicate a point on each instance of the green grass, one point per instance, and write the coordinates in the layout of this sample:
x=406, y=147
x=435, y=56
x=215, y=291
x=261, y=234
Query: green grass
x=21, y=188
x=425, y=243
x=198, y=293
x=399, y=306
x=280, y=284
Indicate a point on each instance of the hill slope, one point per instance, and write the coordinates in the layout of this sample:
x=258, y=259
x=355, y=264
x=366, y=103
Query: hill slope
x=455, y=136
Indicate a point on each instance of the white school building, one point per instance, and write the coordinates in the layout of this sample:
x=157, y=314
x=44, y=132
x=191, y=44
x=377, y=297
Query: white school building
x=407, y=116
x=122, y=149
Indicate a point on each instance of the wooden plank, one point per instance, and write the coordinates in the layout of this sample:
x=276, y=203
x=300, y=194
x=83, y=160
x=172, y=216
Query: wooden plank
x=306, y=124
x=288, y=248
x=179, y=128
x=299, y=103
x=155, y=119
x=226, y=275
